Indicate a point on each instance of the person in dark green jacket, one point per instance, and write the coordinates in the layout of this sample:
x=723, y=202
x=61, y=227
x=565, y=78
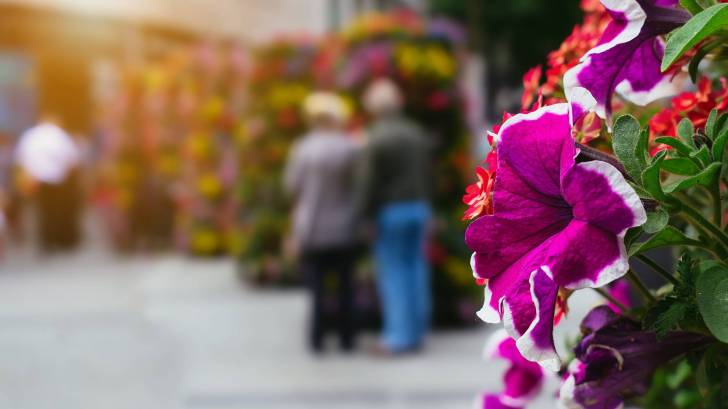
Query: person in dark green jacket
x=394, y=185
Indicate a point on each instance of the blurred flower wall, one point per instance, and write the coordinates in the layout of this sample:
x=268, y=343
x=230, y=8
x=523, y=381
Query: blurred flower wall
x=198, y=141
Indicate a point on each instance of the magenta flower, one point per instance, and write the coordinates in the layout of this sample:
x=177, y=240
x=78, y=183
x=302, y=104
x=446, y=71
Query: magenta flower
x=522, y=380
x=615, y=360
x=555, y=223
x=620, y=291
x=628, y=56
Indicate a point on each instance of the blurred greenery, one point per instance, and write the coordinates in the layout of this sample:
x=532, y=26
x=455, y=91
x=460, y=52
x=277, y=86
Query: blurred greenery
x=514, y=35
x=532, y=28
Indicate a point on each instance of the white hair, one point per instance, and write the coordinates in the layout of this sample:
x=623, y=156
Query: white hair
x=325, y=104
x=383, y=96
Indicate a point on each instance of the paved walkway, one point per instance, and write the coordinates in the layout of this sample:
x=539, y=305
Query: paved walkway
x=94, y=331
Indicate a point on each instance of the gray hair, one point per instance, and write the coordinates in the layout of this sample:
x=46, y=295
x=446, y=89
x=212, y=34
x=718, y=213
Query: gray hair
x=382, y=97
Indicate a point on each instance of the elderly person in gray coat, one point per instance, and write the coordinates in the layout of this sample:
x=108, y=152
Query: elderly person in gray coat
x=319, y=176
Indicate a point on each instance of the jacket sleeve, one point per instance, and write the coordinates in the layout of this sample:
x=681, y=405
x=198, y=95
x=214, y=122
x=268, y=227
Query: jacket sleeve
x=364, y=181
x=293, y=173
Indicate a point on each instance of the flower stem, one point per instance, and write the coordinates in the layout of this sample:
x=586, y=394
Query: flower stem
x=692, y=201
x=711, y=245
x=717, y=205
x=595, y=154
x=611, y=299
x=658, y=269
x=697, y=217
x=641, y=288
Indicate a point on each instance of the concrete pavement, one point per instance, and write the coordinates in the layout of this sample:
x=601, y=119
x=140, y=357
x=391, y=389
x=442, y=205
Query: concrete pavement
x=92, y=330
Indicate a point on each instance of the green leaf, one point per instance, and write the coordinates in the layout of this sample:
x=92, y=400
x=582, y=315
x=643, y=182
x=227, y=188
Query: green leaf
x=669, y=236
x=721, y=123
x=699, y=56
x=680, y=166
x=656, y=221
x=707, y=177
x=632, y=235
x=679, y=375
x=685, y=131
x=702, y=155
x=712, y=297
x=710, y=123
x=687, y=398
x=625, y=140
x=692, y=6
x=670, y=319
x=678, y=145
x=696, y=29
x=711, y=377
x=651, y=177
x=641, y=149
x=641, y=192
x=687, y=271
x=665, y=316
x=719, y=145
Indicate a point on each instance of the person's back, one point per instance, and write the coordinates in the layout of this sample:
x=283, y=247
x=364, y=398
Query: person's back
x=49, y=157
x=399, y=162
x=320, y=176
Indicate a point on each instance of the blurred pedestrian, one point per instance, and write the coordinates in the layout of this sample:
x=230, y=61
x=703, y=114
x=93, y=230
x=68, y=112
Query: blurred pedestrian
x=320, y=177
x=48, y=159
x=394, y=187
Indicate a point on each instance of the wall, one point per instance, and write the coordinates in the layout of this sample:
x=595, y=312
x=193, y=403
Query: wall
x=252, y=20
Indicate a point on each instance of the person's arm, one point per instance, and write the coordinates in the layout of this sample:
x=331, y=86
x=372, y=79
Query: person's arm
x=293, y=172
x=365, y=178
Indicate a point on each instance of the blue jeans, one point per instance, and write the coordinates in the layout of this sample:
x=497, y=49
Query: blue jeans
x=403, y=273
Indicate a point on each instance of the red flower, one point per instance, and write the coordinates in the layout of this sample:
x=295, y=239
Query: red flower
x=531, y=82
x=287, y=118
x=479, y=195
x=438, y=101
x=664, y=123
x=684, y=102
x=582, y=38
x=695, y=106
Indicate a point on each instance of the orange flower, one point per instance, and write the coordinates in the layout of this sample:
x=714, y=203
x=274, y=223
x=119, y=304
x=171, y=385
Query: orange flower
x=479, y=195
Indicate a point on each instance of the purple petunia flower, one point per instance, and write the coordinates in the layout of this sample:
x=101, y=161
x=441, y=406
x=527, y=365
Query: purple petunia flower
x=522, y=380
x=448, y=29
x=628, y=56
x=372, y=60
x=615, y=360
x=555, y=224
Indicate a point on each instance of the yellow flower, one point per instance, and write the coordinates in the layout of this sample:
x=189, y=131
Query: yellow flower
x=458, y=271
x=205, y=241
x=429, y=62
x=168, y=164
x=408, y=58
x=126, y=174
x=200, y=145
x=441, y=62
x=212, y=109
x=209, y=185
x=241, y=134
x=282, y=96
